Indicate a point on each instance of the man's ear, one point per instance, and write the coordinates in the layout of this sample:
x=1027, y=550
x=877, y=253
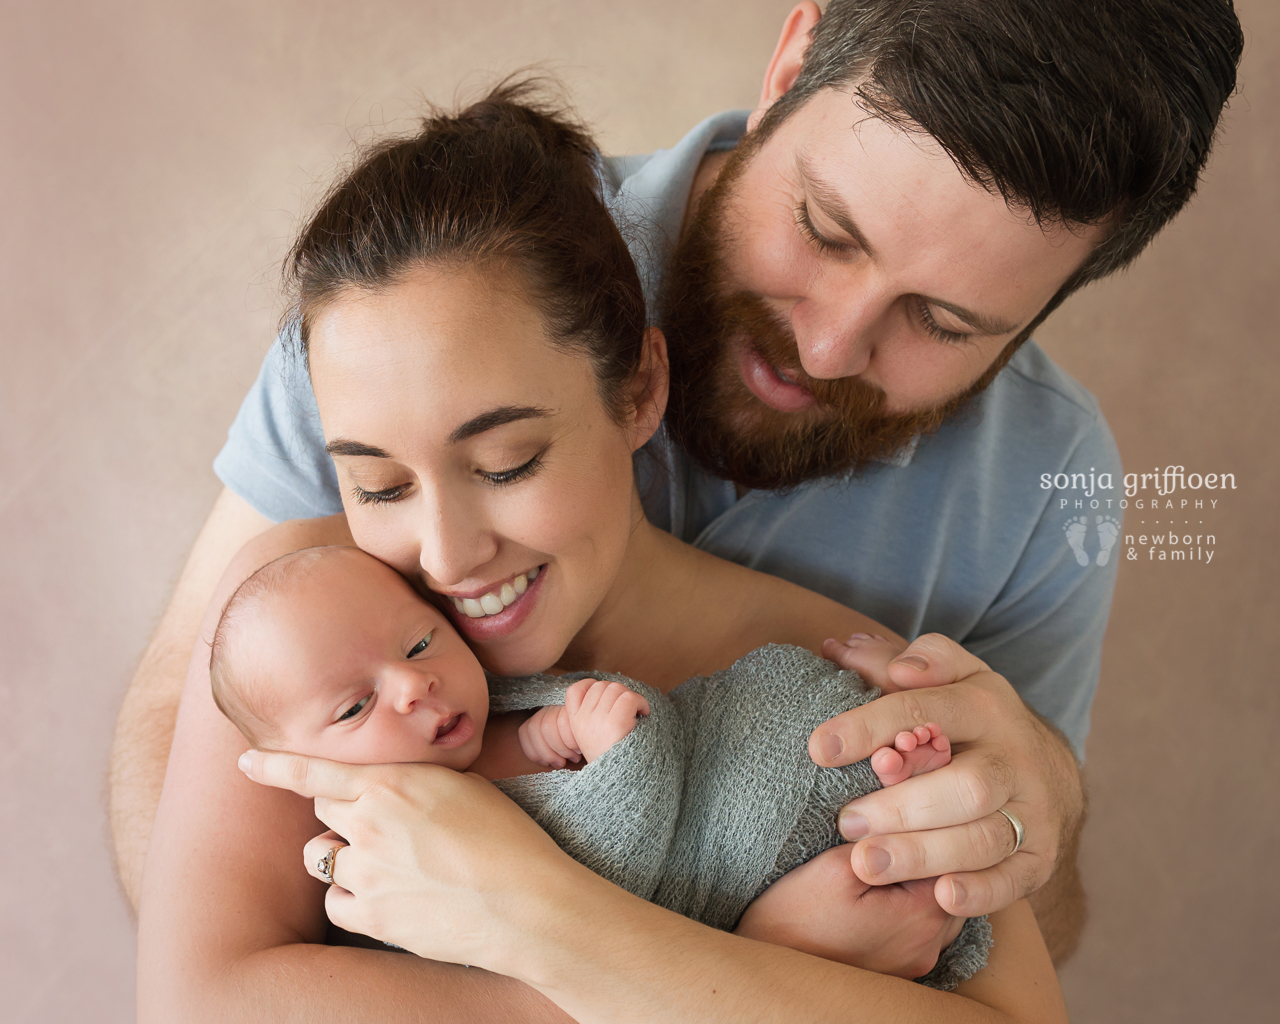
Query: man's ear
x=653, y=379
x=788, y=57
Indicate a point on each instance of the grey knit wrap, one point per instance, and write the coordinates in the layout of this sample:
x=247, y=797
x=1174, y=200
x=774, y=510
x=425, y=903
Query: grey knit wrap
x=713, y=795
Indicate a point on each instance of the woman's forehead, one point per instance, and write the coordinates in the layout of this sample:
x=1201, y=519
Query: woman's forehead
x=439, y=347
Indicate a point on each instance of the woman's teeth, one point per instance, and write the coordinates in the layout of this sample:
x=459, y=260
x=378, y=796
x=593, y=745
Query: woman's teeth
x=494, y=601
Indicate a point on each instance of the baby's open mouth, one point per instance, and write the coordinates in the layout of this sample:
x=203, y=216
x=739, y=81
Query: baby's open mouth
x=447, y=727
x=496, y=600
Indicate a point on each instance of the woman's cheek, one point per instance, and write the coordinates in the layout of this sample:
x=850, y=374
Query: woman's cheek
x=385, y=533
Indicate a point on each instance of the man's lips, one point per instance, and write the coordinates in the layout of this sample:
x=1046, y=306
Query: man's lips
x=764, y=381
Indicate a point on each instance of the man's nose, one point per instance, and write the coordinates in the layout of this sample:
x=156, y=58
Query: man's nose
x=455, y=538
x=837, y=330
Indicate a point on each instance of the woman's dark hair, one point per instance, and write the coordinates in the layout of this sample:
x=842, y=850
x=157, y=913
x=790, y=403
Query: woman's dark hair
x=511, y=182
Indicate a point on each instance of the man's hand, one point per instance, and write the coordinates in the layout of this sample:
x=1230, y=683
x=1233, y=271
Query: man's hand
x=947, y=823
x=824, y=909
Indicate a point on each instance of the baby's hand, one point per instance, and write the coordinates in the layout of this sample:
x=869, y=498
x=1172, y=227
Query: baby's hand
x=593, y=718
x=601, y=713
x=922, y=749
x=547, y=738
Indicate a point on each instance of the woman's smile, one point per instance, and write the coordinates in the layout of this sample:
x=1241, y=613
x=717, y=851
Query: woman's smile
x=500, y=610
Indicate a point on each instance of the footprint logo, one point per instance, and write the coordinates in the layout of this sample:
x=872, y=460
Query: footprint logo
x=1108, y=532
x=1076, y=529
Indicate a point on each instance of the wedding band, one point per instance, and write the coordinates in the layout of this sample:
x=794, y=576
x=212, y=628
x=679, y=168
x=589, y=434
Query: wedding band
x=325, y=865
x=1019, y=833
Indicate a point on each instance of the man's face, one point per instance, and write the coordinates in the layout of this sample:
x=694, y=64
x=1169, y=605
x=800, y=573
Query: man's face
x=840, y=289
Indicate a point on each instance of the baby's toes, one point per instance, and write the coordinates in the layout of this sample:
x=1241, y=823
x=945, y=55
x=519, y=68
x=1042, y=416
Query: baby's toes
x=890, y=766
x=926, y=757
x=908, y=741
x=941, y=752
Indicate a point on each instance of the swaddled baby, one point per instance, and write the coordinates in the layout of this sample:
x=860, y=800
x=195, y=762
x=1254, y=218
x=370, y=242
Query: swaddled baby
x=697, y=800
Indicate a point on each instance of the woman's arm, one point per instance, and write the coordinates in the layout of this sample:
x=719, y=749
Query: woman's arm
x=474, y=880
x=230, y=926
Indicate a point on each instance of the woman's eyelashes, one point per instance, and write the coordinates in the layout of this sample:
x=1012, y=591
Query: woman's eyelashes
x=498, y=478
x=384, y=497
x=511, y=476
x=421, y=645
x=355, y=708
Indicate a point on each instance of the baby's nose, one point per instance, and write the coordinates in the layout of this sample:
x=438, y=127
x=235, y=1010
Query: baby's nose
x=411, y=690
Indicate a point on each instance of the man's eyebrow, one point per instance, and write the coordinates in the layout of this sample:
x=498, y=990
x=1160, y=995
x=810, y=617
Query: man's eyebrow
x=341, y=446
x=496, y=418
x=981, y=324
x=830, y=202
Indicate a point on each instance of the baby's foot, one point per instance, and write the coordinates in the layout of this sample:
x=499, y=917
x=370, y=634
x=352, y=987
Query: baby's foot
x=921, y=750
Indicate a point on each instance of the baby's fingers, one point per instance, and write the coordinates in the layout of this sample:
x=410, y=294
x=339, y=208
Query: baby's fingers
x=626, y=704
x=560, y=733
x=535, y=747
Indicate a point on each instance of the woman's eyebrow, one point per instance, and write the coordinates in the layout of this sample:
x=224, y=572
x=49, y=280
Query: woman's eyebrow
x=341, y=446
x=496, y=418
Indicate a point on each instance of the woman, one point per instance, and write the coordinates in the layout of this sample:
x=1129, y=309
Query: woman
x=475, y=335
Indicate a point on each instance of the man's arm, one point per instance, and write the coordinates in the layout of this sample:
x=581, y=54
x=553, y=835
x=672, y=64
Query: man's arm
x=144, y=728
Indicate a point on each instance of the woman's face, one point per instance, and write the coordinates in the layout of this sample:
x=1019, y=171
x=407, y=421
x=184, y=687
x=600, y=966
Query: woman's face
x=476, y=457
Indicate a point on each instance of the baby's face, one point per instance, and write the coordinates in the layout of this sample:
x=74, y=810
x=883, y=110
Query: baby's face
x=354, y=666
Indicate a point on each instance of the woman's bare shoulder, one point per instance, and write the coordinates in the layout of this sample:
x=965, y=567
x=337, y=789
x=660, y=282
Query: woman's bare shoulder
x=768, y=609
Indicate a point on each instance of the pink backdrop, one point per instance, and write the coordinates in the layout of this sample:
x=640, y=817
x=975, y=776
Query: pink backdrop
x=156, y=157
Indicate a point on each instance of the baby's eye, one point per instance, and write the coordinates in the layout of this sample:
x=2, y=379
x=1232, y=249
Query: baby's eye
x=421, y=645
x=355, y=708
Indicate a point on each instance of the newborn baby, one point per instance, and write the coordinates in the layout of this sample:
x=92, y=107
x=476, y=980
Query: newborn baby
x=329, y=652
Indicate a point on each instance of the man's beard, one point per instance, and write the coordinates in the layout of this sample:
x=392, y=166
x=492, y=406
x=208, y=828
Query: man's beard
x=711, y=413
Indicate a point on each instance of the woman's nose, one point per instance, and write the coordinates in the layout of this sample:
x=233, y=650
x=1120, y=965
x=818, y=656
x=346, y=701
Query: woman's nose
x=455, y=539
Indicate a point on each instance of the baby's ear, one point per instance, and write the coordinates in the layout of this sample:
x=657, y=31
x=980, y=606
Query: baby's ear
x=650, y=388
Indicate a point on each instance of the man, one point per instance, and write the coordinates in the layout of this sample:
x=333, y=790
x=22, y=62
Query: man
x=846, y=294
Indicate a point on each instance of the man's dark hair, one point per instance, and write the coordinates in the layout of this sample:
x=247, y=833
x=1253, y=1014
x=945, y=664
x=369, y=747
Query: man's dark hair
x=1078, y=111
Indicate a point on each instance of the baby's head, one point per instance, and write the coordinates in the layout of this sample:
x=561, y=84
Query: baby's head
x=329, y=652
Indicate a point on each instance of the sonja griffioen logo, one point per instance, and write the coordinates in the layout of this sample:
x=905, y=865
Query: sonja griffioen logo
x=1181, y=533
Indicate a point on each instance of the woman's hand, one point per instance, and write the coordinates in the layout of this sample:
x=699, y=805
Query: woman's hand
x=947, y=822
x=437, y=861
x=823, y=908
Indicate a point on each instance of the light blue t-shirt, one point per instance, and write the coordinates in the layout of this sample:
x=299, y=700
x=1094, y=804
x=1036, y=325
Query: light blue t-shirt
x=958, y=536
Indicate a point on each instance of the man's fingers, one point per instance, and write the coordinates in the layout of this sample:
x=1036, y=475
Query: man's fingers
x=972, y=786
x=963, y=712
x=973, y=846
x=972, y=894
x=933, y=660
x=306, y=776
